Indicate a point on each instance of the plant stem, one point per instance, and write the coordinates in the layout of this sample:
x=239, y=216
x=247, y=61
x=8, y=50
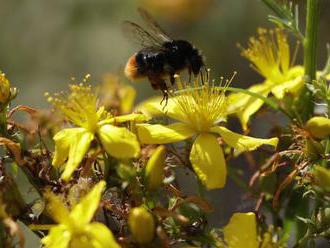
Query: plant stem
x=305, y=103
x=326, y=151
x=3, y=122
x=310, y=41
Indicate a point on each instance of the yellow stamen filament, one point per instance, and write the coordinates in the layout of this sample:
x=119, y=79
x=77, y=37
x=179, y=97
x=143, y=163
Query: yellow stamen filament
x=79, y=106
x=202, y=105
x=270, y=54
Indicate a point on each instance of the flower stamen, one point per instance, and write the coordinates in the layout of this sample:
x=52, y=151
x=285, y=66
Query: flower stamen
x=269, y=54
x=79, y=106
x=202, y=104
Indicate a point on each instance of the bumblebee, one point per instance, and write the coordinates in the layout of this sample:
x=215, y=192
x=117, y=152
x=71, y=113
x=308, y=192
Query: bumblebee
x=161, y=57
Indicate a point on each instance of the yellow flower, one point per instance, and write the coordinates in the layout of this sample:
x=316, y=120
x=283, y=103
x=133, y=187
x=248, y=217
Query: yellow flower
x=75, y=228
x=270, y=56
x=199, y=111
x=80, y=108
x=4, y=88
x=154, y=172
x=141, y=224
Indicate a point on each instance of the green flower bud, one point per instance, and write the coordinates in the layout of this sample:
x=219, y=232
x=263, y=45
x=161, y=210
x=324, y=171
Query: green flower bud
x=141, y=224
x=319, y=127
x=322, y=177
x=313, y=149
x=4, y=89
x=154, y=172
x=126, y=172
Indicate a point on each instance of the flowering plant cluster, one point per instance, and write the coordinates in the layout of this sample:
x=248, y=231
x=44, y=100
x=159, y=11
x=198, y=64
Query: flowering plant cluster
x=105, y=171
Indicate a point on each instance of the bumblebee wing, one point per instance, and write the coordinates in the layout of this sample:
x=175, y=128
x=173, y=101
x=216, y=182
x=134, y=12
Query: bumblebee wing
x=136, y=33
x=154, y=26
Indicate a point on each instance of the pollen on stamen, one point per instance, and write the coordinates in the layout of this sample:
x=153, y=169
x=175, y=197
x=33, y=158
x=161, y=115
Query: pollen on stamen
x=79, y=105
x=202, y=103
x=269, y=53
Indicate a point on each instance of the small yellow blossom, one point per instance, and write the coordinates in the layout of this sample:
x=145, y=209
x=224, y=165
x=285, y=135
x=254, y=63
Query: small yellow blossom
x=198, y=112
x=75, y=228
x=4, y=88
x=80, y=108
x=155, y=168
x=270, y=56
x=319, y=127
x=141, y=224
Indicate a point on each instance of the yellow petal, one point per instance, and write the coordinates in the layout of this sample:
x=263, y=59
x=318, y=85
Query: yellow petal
x=241, y=231
x=127, y=96
x=84, y=211
x=153, y=107
x=101, y=236
x=160, y=134
x=239, y=101
x=119, y=142
x=138, y=118
x=293, y=85
x=245, y=105
x=242, y=142
x=208, y=161
x=79, y=145
x=56, y=209
x=58, y=237
x=155, y=168
x=62, y=145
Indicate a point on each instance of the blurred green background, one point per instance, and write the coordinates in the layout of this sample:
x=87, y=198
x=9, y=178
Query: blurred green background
x=44, y=43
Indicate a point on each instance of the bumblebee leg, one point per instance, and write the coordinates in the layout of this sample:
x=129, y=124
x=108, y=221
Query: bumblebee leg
x=172, y=79
x=189, y=73
x=159, y=83
x=163, y=88
x=202, y=77
x=165, y=98
x=207, y=74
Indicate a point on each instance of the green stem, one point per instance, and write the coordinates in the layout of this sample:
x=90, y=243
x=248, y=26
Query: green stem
x=305, y=104
x=310, y=41
x=2, y=235
x=3, y=122
x=326, y=151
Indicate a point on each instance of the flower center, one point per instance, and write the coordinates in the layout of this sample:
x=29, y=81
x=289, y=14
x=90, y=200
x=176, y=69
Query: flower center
x=202, y=105
x=79, y=106
x=269, y=54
